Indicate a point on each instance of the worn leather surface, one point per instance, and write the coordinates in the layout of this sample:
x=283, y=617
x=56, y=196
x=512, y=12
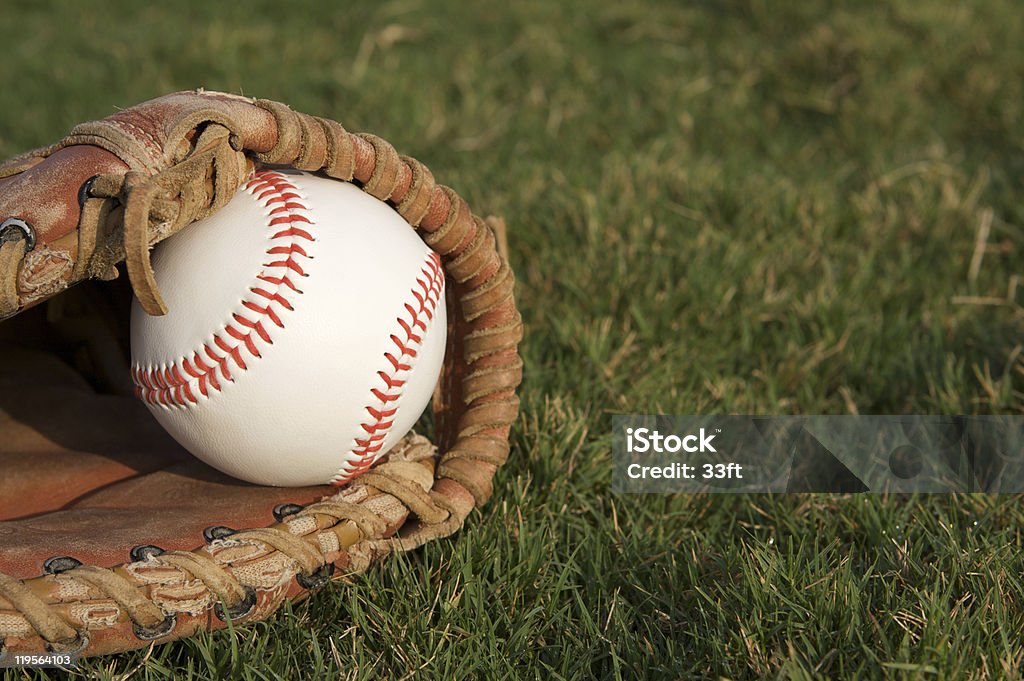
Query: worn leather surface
x=46, y=195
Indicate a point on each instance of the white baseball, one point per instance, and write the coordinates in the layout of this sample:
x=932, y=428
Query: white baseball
x=305, y=335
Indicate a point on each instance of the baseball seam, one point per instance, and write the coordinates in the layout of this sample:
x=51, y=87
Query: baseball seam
x=261, y=311
x=383, y=407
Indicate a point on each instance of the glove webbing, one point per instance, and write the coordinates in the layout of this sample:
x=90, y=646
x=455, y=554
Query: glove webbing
x=401, y=479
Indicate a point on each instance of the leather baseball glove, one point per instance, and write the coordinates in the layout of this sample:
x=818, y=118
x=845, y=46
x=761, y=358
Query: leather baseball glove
x=113, y=536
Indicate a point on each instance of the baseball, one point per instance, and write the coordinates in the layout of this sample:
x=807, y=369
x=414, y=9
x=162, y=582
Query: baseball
x=305, y=335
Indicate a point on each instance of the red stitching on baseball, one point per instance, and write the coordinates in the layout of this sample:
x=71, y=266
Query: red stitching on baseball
x=427, y=295
x=170, y=386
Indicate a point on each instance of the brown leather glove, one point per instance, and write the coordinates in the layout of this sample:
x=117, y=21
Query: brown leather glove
x=112, y=536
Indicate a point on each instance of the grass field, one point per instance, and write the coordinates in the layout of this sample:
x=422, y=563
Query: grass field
x=728, y=207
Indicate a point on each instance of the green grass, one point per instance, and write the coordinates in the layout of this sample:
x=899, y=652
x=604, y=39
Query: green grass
x=727, y=207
